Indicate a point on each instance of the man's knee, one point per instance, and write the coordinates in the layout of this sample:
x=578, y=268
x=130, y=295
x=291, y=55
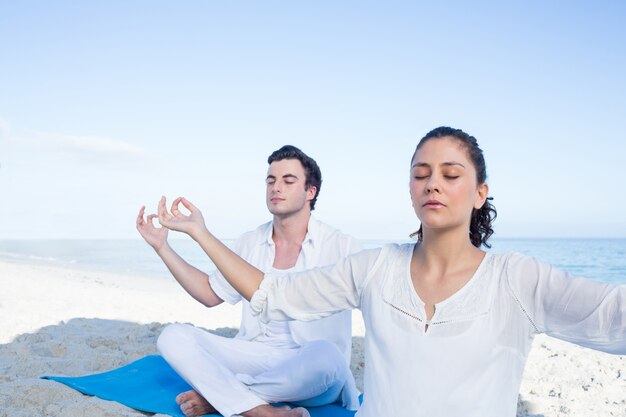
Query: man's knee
x=326, y=360
x=326, y=351
x=171, y=338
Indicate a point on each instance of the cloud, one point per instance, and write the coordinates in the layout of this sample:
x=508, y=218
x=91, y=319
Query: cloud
x=30, y=151
x=4, y=133
x=87, y=145
x=4, y=128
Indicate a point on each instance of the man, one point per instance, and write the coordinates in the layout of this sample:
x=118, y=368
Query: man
x=301, y=362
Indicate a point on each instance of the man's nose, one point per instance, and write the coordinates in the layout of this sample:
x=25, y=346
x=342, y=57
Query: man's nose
x=276, y=186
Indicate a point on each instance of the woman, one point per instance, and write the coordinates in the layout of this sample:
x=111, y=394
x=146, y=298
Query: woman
x=448, y=326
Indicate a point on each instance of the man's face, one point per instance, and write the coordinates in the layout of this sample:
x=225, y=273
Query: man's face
x=286, y=193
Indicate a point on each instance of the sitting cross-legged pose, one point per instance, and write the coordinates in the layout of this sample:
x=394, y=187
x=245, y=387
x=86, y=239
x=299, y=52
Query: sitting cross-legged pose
x=448, y=326
x=306, y=363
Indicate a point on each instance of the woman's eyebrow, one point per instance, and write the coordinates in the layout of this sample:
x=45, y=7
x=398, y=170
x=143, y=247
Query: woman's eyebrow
x=426, y=165
x=453, y=163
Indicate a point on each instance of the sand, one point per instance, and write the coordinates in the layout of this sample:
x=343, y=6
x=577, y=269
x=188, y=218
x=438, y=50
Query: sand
x=56, y=321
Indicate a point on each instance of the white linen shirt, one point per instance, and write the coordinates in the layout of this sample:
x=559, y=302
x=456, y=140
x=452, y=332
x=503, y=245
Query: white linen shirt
x=322, y=245
x=470, y=360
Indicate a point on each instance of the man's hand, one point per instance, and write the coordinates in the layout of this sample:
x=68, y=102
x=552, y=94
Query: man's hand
x=156, y=237
x=192, y=224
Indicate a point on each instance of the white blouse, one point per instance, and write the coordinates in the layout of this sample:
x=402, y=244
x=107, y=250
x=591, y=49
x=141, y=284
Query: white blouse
x=470, y=361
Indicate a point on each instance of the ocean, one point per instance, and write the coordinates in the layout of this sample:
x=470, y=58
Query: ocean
x=596, y=259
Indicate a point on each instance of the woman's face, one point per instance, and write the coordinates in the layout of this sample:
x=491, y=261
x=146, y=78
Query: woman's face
x=443, y=185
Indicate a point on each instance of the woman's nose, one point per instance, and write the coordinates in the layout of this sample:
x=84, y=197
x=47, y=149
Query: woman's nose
x=432, y=185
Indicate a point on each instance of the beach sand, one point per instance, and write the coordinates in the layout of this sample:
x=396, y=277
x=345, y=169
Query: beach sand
x=56, y=321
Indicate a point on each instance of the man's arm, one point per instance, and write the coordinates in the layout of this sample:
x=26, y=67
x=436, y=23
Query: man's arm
x=244, y=277
x=194, y=281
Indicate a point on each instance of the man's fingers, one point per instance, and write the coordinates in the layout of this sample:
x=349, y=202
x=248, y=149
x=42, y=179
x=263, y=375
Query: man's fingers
x=150, y=218
x=161, y=205
x=140, y=215
x=162, y=210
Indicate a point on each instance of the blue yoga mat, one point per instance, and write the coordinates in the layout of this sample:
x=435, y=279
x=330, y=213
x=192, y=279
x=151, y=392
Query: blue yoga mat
x=150, y=384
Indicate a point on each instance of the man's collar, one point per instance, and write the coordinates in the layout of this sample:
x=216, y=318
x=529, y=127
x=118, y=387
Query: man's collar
x=311, y=232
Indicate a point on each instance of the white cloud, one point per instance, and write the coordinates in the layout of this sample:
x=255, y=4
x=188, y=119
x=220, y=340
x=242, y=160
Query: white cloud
x=34, y=151
x=4, y=128
x=4, y=133
x=87, y=145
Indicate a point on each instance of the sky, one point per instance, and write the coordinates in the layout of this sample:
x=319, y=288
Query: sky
x=106, y=106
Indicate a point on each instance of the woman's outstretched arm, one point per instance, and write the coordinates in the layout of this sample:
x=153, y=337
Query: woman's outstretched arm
x=245, y=278
x=588, y=313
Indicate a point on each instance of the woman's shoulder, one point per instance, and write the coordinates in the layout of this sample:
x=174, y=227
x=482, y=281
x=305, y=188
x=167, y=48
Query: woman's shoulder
x=515, y=259
x=398, y=248
x=517, y=270
x=509, y=259
x=386, y=251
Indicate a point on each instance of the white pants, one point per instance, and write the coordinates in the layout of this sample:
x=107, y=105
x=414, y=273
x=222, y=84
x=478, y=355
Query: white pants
x=236, y=375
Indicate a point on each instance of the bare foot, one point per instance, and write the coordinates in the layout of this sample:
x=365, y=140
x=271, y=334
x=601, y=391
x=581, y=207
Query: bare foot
x=267, y=410
x=193, y=404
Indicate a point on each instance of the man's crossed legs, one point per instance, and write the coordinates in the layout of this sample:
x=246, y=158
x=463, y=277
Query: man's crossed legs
x=236, y=376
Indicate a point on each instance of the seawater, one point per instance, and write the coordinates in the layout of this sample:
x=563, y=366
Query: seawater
x=597, y=259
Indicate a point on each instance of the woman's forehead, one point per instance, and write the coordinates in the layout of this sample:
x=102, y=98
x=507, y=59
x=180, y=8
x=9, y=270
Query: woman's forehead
x=444, y=150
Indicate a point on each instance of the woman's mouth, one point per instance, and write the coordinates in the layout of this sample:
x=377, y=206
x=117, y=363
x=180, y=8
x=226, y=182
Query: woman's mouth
x=433, y=204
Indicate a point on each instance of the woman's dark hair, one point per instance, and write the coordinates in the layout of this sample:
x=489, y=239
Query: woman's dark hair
x=482, y=218
x=311, y=170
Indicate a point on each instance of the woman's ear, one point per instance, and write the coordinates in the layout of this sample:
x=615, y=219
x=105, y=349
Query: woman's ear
x=481, y=196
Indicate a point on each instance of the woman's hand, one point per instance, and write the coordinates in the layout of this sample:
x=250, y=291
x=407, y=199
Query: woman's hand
x=192, y=224
x=244, y=277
